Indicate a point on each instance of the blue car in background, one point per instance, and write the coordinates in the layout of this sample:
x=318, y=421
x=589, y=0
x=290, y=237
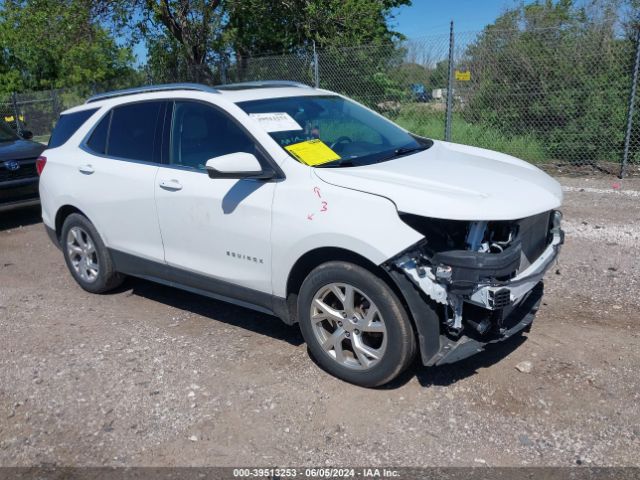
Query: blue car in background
x=419, y=92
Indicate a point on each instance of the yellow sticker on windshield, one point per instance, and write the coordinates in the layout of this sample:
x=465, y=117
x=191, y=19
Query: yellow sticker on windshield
x=312, y=152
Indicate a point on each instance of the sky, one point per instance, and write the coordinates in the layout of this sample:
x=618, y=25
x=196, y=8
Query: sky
x=432, y=17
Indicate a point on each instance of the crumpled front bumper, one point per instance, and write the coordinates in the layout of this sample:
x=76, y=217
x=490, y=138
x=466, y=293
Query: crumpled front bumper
x=517, y=321
x=448, y=333
x=487, y=294
x=512, y=291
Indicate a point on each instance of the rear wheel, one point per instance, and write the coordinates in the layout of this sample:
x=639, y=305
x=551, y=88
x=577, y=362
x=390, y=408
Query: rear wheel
x=354, y=324
x=86, y=256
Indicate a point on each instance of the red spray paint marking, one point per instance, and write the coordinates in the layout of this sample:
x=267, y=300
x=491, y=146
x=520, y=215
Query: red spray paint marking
x=324, y=207
x=310, y=216
x=316, y=190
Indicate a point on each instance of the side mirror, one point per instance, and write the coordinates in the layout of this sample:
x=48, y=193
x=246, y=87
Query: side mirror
x=26, y=134
x=237, y=165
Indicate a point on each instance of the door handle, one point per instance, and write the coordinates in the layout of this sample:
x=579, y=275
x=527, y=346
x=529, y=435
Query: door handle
x=86, y=169
x=171, y=185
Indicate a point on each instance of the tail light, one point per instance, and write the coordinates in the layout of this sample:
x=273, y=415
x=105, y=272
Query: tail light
x=40, y=163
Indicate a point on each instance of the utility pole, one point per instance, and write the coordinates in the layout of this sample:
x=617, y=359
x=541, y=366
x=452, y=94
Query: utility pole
x=16, y=112
x=447, y=123
x=316, y=71
x=632, y=99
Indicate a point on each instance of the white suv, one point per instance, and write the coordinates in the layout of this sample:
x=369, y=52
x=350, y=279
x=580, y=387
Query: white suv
x=301, y=203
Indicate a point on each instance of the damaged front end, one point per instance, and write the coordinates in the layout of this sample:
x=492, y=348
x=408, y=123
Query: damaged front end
x=469, y=283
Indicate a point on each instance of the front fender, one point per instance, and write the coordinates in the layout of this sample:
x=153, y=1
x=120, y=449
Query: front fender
x=425, y=318
x=309, y=214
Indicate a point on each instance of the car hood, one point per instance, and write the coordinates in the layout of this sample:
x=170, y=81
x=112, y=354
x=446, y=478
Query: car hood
x=19, y=150
x=455, y=182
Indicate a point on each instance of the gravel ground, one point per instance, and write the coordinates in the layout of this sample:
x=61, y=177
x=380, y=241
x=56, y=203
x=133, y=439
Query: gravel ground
x=150, y=375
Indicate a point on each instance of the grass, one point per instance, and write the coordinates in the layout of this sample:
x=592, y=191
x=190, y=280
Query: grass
x=422, y=119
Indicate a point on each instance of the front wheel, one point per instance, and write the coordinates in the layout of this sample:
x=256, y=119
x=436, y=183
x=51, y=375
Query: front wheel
x=354, y=324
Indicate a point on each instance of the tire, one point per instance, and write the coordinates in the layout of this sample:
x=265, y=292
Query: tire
x=360, y=346
x=86, y=256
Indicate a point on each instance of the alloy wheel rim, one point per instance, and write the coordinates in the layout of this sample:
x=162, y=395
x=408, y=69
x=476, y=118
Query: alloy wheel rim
x=82, y=254
x=348, y=326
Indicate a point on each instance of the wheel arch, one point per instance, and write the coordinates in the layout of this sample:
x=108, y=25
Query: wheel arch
x=61, y=215
x=316, y=257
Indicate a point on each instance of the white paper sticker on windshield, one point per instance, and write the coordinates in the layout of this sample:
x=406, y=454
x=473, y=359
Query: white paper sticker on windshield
x=276, y=121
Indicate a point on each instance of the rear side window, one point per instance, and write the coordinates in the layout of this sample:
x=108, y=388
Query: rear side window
x=67, y=125
x=132, y=131
x=98, y=140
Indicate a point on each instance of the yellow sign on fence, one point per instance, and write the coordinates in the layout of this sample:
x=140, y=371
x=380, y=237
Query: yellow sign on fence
x=463, y=76
x=11, y=118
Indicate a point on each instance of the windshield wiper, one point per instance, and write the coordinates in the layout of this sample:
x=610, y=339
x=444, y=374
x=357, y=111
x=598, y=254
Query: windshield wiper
x=407, y=150
x=398, y=152
x=402, y=151
x=341, y=162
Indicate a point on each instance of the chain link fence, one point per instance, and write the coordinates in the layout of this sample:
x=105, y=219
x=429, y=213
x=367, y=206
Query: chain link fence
x=556, y=97
x=10, y=113
x=37, y=112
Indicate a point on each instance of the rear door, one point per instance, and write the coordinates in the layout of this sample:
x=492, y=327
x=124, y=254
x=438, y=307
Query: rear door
x=117, y=169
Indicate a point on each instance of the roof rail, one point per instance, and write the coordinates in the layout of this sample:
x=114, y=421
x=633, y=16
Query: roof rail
x=152, y=88
x=261, y=84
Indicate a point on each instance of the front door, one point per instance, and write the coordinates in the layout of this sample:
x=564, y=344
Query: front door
x=216, y=228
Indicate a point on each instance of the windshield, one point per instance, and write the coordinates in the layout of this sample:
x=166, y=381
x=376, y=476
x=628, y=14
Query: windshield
x=6, y=134
x=329, y=131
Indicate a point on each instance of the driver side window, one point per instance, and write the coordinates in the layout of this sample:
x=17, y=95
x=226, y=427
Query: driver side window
x=200, y=132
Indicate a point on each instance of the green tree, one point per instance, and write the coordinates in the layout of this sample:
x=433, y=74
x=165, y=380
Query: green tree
x=52, y=43
x=556, y=70
x=439, y=76
x=187, y=36
x=257, y=27
x=183, y=37
x=281, y=26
